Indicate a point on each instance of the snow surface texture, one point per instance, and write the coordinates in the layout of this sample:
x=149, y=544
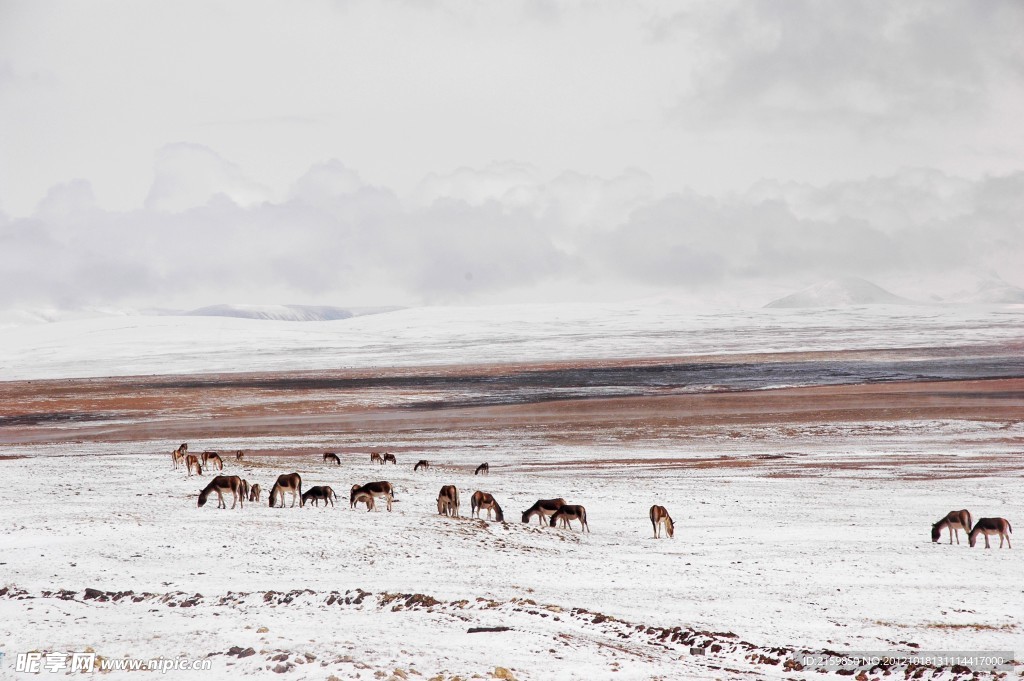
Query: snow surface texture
x=144, y=345
x=840, y=559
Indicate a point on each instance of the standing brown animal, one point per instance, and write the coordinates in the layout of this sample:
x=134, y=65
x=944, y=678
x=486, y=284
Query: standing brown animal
x=317, y=493
x=484, y=501
x=542, y=509
x=238, y=455
x=215, y=458
x=483, y=468
x=221, y=484
x=991, y=526
x=287, y=482
x=391, y=458
x=372, y=489
x=448, y=501
x=357, y=496
x=422, y=463
x=660, y=516
x=192, y=461
x=331, y=456
x=573, y=512
x=254, y=493
x=955, y=521
x=375, y=457
x=178, y=455
x=245, y=489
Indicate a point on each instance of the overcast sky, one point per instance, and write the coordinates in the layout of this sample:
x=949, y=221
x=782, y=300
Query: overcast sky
x=391, y=152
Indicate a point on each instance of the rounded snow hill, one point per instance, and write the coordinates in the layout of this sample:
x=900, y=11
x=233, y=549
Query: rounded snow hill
x=840, y=293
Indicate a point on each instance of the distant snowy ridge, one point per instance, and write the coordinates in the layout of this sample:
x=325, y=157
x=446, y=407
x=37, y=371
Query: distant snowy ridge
x=840, y=293
x=285, y=313
x=991, y=290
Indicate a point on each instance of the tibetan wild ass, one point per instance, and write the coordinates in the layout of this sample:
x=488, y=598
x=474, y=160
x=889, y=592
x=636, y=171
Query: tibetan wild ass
x=221, y=484
x=955, y=521
x=448, y=501
x=991, y=526
x=542, y=509
x=484, y=501
x=287, y=482
x=567, y=513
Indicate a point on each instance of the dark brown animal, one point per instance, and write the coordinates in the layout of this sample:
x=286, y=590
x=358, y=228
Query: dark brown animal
x=542, y=509
x=287, y=482
x=571, y=512
x=484, y=501
x=245, y=489
x=178, y=455
x=331, y=456
x=660, y=516
x=238, y=455
x=991, y=526
x=391, y=458
x=375, y=457
x=317, y=493
x=422, y=463
x=372, y=489
x=254, y=492
x=482, y=468
x=448, y=501
x=955, y=521
x=192, y=462
x=221, y=484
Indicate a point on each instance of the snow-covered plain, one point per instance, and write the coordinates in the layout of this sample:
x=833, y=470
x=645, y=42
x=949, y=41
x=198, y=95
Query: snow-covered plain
x=144, y=345
x=798, y=536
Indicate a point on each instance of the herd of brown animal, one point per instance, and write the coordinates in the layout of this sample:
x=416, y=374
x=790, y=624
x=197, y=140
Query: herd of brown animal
x=554, y=511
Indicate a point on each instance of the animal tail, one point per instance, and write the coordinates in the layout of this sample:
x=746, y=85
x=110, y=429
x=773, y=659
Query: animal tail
x=970, y=521
x=1009, y=527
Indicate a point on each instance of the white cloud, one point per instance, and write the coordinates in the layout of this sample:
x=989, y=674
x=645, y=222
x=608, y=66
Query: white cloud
x=190, y=175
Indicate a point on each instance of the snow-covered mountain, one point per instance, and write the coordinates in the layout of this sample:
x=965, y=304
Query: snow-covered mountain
x=989, y=290
x=840, y=293
x=284, y=313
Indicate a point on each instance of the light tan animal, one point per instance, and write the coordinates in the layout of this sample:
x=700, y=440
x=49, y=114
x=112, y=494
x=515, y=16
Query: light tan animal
x=212, y=459
x=221, y=484
x=991, y=527
x=484, y=501
x=543, y=509
x=375, y=457
x=373, y=489
x=245, y=489
x=955, y=521
x=356, y=497
x=448, y=501
x=287, y=482
x=254, y=492
x=178, y=455
x=660, y=516
x=571, y=512
x=192, y=463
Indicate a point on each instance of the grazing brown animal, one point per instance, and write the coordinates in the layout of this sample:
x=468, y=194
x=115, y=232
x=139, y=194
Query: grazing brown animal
x=571, y=512
x=955, y=521
x=356, y=496
x=482, y=468
x=192, y=462
x=991, y=526
x=245, y=489
x=660, y=516
x=542, y=509
x=448, y=501
x=391, y=458
x=375, y=457
x=373, y=489
x=287, y=482
x=238, y=455
x=317, y=493
x=221, y=484
x=422, y=463
x=331, y=456
x=213, y=460
x=254, y=492
x=178, y=455
x=484, y=501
